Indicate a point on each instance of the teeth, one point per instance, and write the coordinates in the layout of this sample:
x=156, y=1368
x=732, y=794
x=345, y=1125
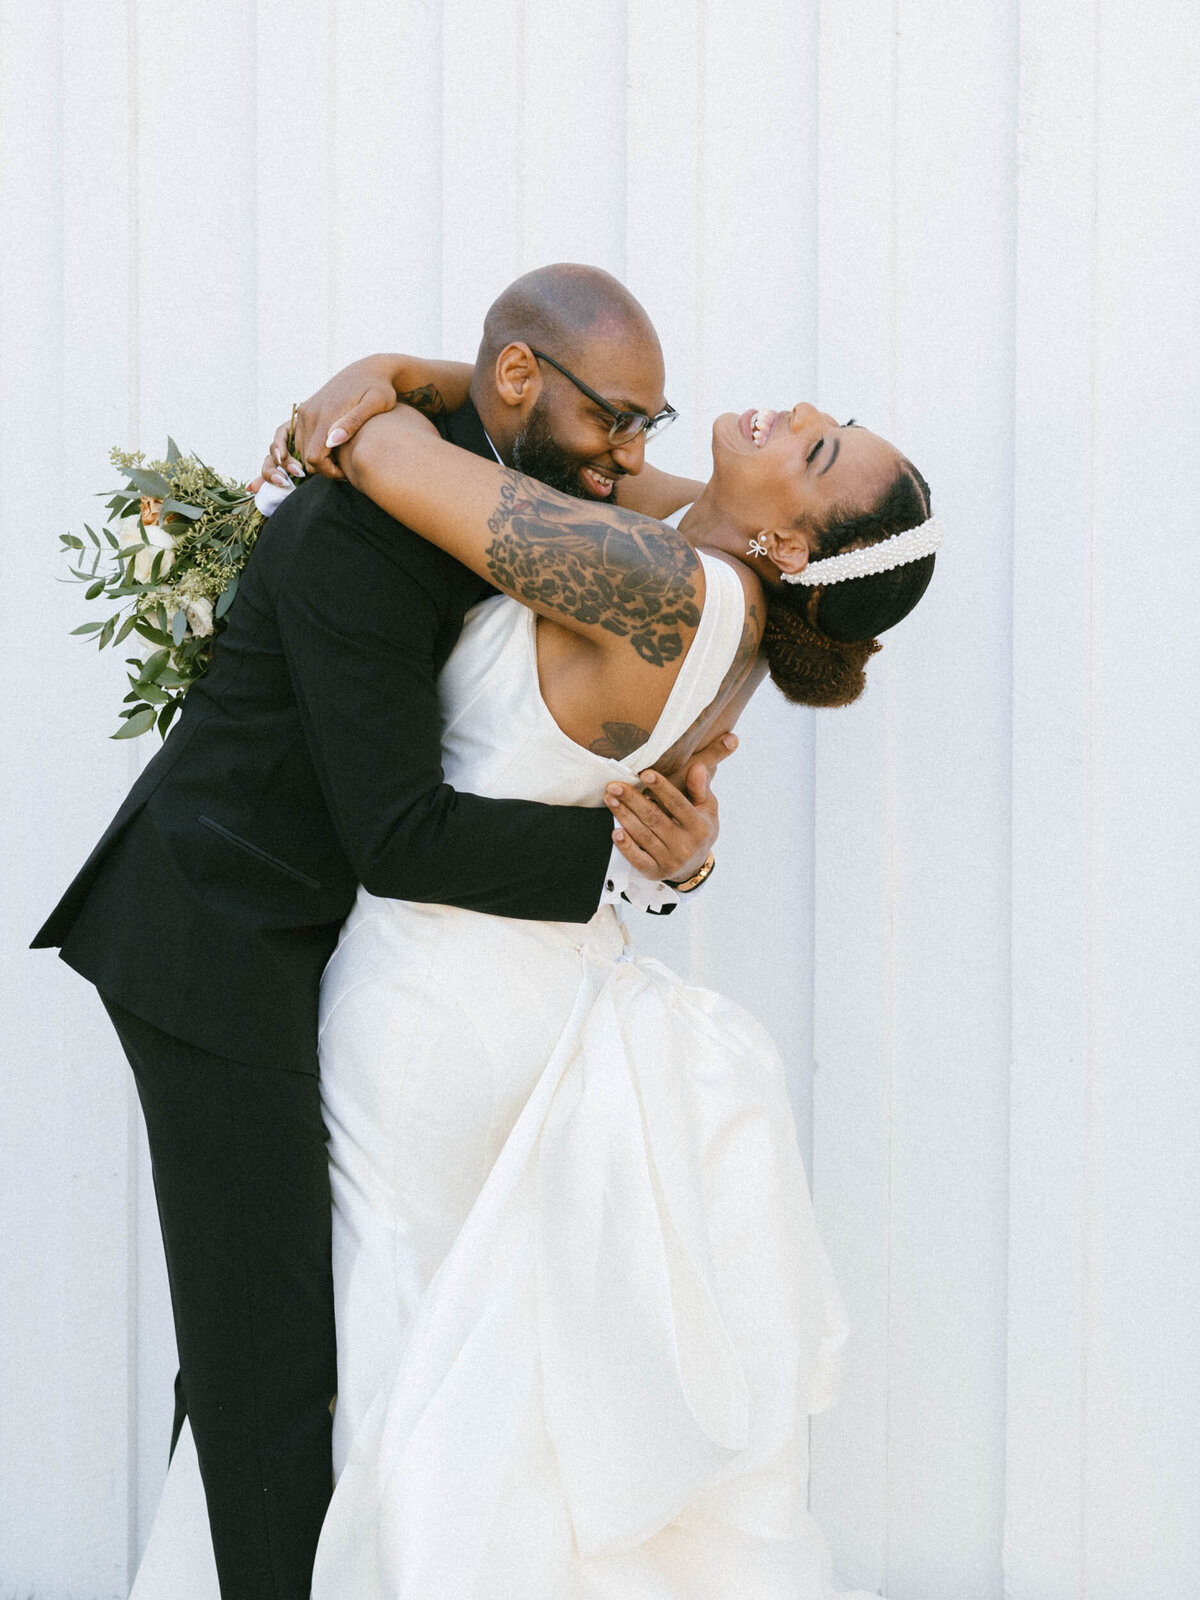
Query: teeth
x=756, y=426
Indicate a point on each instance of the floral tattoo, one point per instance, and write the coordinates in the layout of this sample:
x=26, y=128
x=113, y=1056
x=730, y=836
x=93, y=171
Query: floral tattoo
x=620, y=571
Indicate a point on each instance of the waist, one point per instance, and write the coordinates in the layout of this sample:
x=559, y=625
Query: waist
x=426, y=926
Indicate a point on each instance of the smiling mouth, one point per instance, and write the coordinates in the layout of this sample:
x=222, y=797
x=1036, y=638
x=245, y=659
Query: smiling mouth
x=599, y=484
x=762, y=424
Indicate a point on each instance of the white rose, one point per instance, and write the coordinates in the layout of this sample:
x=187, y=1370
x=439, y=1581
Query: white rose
x=200, y=616
x=158, y=539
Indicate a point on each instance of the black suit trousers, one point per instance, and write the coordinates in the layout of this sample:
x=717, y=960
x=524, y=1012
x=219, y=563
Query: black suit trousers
x=242, y=1184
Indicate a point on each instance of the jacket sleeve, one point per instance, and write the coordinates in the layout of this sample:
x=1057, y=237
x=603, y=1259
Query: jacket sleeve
x=359, y=632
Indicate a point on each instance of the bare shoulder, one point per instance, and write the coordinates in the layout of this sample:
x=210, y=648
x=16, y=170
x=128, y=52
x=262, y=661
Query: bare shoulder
x=755, y=600
x=746, y=671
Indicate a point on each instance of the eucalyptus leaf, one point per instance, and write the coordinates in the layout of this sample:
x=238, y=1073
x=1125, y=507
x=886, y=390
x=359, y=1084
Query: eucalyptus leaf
x=132, y=508
x=107, y=631
x=149, y=483
x=179, y=626
x=183, y=509
x=150, y=634
x=166, y=716
x=73, y=541
x=174, y=453
x=125, y=629
x=151, y=693
x=154, y=665
x=140, y=722
x=91, y=533
x=95, y=589
x=88, y=627
x=170, y=679
x=226, y=599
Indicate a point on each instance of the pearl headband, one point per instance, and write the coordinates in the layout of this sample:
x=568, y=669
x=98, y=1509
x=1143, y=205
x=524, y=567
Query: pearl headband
x=896, y=551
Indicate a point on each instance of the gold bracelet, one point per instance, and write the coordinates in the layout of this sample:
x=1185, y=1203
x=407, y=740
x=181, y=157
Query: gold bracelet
x=697, y=877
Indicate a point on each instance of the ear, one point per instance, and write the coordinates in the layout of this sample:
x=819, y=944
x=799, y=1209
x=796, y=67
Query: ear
x=788, y=548
x=518, y=376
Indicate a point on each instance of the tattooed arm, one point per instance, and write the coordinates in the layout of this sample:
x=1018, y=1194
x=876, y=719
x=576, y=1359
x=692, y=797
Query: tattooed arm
x=626, y=582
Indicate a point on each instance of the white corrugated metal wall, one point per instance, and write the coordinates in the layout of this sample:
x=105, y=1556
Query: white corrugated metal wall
x=974, y=226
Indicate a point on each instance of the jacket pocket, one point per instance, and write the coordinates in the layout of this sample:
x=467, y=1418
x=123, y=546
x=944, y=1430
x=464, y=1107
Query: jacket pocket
x=263, y=855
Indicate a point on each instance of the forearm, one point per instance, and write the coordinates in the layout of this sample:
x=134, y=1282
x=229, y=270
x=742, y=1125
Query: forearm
x=434, y=387
x=656, y=493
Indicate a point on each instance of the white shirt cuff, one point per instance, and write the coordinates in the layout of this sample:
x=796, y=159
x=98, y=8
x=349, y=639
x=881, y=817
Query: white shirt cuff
x=270, y=497
x=625, y=886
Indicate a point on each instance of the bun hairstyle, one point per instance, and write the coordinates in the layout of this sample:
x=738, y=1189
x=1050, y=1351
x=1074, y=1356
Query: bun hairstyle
x=818, y=641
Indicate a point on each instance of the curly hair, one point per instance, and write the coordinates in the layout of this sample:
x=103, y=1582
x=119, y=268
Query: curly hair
x=817, y=641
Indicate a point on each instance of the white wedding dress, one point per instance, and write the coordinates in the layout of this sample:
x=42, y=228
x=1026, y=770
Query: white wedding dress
x=583, y=1312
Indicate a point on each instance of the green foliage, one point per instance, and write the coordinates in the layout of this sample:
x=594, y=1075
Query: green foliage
x=173, y=577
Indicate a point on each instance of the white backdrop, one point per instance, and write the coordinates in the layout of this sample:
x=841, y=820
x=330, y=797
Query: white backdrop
x=975, y=226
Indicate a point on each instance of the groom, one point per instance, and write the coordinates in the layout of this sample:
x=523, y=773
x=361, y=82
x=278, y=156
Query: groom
x=307, y=762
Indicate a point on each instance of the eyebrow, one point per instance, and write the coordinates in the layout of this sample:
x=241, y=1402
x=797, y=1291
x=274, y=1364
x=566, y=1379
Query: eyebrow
x=833, y=454
x=631, y=405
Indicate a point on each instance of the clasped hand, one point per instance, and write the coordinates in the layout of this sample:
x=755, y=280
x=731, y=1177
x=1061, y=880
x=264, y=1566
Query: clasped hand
x=666, y=831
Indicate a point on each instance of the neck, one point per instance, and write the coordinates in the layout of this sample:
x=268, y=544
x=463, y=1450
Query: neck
x=500, y=420
x=717, y=526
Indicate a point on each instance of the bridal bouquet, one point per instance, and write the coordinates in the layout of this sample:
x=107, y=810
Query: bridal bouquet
x=176, y=539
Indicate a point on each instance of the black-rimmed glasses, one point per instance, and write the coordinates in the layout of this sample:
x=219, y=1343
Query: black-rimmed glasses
x=626, y=425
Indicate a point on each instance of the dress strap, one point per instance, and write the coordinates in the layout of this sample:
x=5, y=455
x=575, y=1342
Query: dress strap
x=712, y=651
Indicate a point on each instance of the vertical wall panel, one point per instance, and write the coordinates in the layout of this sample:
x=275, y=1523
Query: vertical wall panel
x=572, y=133
x=911, y=999
x=949, y=692
x=853, y=806
x=294, y=154
x=1142, y=1312
x=482, y=92
x=197, y=299
x=1051, y=829
x=385, y=178
x=66, y=1361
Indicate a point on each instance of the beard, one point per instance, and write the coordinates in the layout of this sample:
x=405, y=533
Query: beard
x=537, y=452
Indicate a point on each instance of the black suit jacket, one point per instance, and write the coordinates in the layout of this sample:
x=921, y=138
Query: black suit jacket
x=307, y=761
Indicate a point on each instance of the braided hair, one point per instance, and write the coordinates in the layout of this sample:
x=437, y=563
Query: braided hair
x=817, y=641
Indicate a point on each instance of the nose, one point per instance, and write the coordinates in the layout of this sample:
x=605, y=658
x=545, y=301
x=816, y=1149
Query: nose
x=630, y=456
x=806, y=415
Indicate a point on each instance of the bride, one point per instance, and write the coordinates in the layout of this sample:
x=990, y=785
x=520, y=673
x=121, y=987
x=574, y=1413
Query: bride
x=583, y=1312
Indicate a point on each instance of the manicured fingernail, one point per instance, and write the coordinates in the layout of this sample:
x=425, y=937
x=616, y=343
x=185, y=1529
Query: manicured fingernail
x=294, y=467
x=336, y=436
x=280, y=478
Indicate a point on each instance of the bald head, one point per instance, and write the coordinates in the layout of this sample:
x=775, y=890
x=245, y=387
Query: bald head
x=556, y=425
x=564, y=309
